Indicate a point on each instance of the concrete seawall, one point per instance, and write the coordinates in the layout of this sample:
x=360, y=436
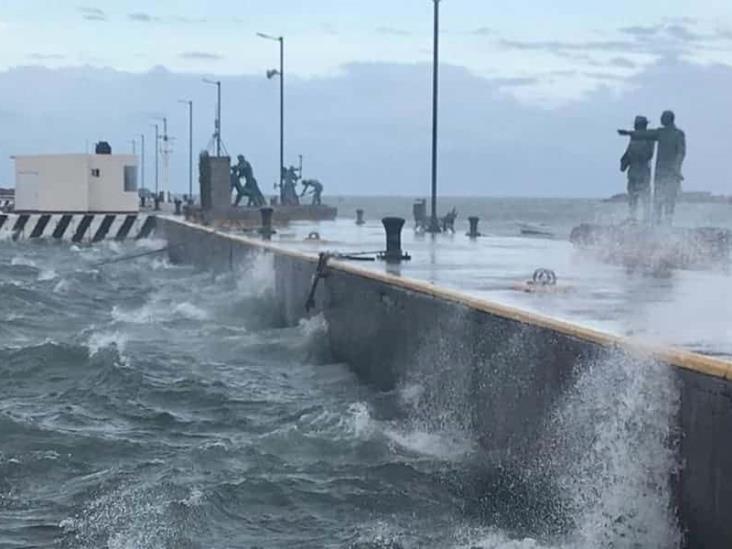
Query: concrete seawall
x=502, y=374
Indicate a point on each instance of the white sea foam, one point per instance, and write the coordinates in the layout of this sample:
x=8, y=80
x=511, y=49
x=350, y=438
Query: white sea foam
x=443, y=446
x=102, y=340
x=128, y=518
x=47, y=274
x=488, y=538
x=258, y=276
x=190, y=311
x=313, y=326
x=194, y=499
x=157, y=311
x=20, y=260
x=611, y=448
x=62, y=287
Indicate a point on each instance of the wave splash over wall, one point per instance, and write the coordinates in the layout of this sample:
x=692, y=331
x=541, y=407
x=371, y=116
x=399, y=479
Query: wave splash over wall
x=599, y=472
x=148, y=405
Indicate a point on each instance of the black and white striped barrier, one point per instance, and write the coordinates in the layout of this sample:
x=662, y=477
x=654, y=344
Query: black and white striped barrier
x=76, y=227
x=6, y=203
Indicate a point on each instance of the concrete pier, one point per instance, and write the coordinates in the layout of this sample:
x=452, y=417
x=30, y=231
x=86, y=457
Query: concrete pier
x=505, y=367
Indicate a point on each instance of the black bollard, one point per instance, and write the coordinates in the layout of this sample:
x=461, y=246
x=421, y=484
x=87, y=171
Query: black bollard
x=473, y=233
x=359, y=217
x=266, y=231
x=157, y=203
x=178, y=202
x=393, y=227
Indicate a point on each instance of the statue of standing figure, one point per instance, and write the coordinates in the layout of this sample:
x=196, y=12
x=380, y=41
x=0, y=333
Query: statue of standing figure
x=316, y=189
x=243, y=169
x=290, y=178
x=637, y=163
x=669, y=159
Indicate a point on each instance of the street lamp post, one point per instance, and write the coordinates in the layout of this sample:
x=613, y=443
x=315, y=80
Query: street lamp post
x=142, y=160
x=281, y=73
x=217, y=123
x=190, y=147
x=434, y=226
x=157, y=156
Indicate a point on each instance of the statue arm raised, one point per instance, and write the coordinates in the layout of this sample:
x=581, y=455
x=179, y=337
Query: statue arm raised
x=645, y=135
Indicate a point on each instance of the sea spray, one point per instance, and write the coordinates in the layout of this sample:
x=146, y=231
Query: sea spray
x=611, y=446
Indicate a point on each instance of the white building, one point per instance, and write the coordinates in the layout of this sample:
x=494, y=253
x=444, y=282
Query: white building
x=76, y=183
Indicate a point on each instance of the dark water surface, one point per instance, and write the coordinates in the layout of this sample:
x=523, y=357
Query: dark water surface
x=145, y=405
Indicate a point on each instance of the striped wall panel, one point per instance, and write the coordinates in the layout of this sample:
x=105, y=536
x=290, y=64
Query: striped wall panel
x=76, y=228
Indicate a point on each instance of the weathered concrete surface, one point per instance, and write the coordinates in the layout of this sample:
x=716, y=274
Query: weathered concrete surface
x=499, y=370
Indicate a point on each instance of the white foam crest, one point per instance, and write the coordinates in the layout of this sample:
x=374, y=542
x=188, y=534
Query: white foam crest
x=62, y=287
x=102, y=340
x=190, y=311
x=474, y=538
x=313, y=326
x=194, y=499
x=20, y=260
x=356, y=422
x=151, y=244
x=46, y=275
x=156, y=311
x=444, y=446
x=612, y=451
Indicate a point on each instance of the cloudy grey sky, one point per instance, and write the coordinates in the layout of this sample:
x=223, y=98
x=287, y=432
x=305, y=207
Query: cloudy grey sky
x=545, y=81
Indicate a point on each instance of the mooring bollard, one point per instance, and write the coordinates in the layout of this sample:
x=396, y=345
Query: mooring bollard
x=393, y=227
x=266, y=231
x=359, y=217
x=473, y=233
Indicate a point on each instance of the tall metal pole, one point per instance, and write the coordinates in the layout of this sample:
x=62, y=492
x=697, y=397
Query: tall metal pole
x=434, y=223
x=157, y=158
x=282, y=114
x=142, y=159
x=218, y=119
x=190, y=147
x=165, y=152
x=190, y=151
x=270, y=74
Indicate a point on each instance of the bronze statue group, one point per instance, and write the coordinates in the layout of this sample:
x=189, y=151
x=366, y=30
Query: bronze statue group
x=288, y=188
x=669, y=143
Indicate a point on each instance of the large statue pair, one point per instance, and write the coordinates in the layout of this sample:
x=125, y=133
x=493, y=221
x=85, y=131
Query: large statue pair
x=250, y=189
x=669, y=159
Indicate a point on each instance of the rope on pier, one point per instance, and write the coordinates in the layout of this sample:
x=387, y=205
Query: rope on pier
x=133, y=256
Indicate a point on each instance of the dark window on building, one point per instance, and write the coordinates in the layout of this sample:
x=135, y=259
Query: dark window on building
x=130, y=179
x=95, y=172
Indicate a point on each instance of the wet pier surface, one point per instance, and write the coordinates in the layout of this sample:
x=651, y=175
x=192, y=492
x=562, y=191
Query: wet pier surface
x=684, y=308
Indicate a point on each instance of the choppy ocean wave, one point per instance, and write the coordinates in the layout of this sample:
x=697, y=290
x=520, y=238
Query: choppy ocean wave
x=147, y=405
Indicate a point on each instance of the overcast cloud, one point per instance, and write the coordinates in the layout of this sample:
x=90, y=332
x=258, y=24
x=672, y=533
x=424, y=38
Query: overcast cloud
x=366, y=129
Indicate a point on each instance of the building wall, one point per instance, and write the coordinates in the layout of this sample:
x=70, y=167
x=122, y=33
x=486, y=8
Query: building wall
x=51, y=183
x=503, y=372
x=106, y=191
x=64, y=183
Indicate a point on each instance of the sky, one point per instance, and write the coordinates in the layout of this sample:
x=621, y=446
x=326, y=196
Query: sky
x=519, y=78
